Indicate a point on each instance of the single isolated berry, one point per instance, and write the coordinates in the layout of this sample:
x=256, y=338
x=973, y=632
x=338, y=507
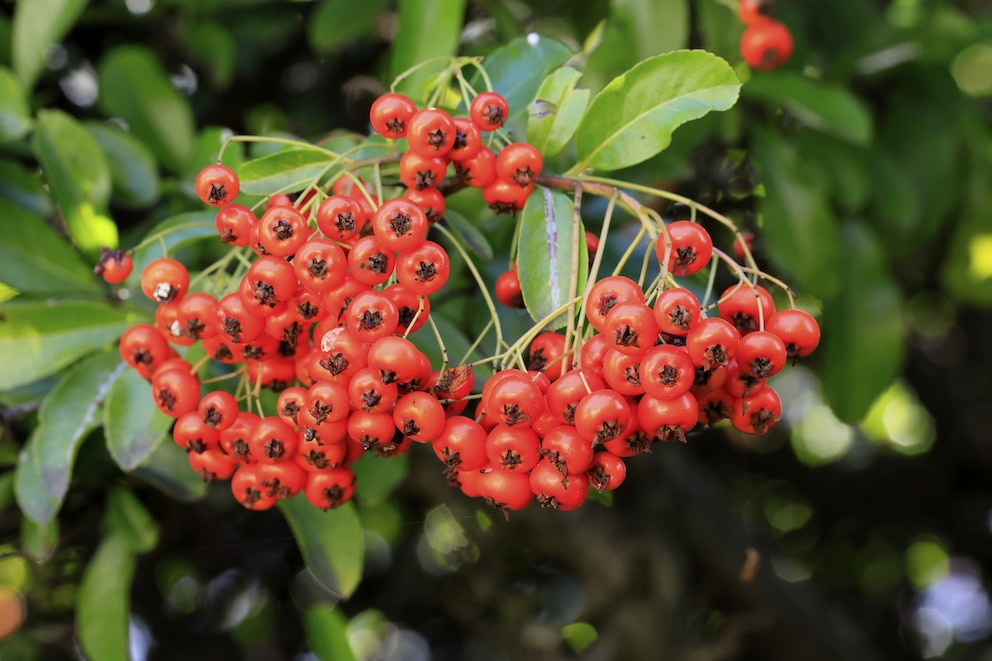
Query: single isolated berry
x=766, y=45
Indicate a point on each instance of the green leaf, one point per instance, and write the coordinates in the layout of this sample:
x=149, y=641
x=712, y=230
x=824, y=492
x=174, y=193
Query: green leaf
x=426, y=29
x=331, y=542
x=133, y=425
x=556, y=111
x=126, y=517
x=379, y=476
x=633, y=118
x=800, y=231
x=24, y=188
x=579, y=636
x=133, y=169
x=469, y=234
x=103, y=601
x=36, y=260
x=15, y=115
x=551, y=247
x=79, y=178
x=39, y=25
x=863, y=328
x=518, y=68
x=285, y=171
x=843, y=166
x=167, y=469
x=66, y=416
x=967, y=269
x=336, y=23
x=213, y=46
x=827, y=108
x=176, y=232
x=39, y=540
x=327, y=634
x=134, y=86
x=39, y=338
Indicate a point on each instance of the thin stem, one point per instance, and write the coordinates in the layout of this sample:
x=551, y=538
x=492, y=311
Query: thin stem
x=475, y=344
x=440, y=342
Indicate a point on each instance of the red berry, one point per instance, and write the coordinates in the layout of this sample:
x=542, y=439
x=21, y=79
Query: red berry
x=489, y=111
x=217, y=185
x=766, y=45
x=390, y=113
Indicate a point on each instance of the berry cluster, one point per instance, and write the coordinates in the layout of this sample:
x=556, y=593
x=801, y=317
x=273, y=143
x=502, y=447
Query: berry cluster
x=766, y=43
x=327, y=287
x=648, y=373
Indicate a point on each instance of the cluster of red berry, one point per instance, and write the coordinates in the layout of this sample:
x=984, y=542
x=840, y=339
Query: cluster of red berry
x=647, y=374
x=766, y=43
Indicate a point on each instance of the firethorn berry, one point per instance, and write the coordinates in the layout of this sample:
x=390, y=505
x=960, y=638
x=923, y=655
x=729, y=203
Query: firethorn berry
x=419, y=171
x=212, y=465
x=340, y=217
x=331, y=488
x=218, y=409
x=515, y=401
x=712, y=342
x=593, y=353
x=370, y=262
x=144, y=348
x=461, y=445
x=269, y=282
x=766, y=45
x=272, y=441
x=217, y=185
x=691, y=248
x=192, y=434
x=197, y=316
x=708, y=380
x=556, y=492
x=236, y=323
x=513, y=448
x=745, y=307
x=668, y=419
x=507, y=290
x=489, y=111
x=371, y=429
x=419, y=416
x=400, y=225
x=282, y=231
x=740, y=383
x=468, y=140
x=602, y=415
x=630, y=328
x=478, y=171
x=667, y=372
x=567, y=449
x=234, y=223
x=320, y=265
x=761, y=354
x=371, y=316
x=564, y=394
x=412, y=309
x=622, y=372
x=714, y=406
x=164, y=280
x=114, y=266
x=519, y=162
x=431, y=132
x=755, y=11
x=748, y=243
x=289, y=404
x=395, y=359
x=176, y=391
x=505, y=195
x=676, y=310
x=430, y=201
x=606, y=472
x=248, y=490
x=797, y=329
x=757, y=413
x=608, y=292
x=547, y=354
x=424, y=269
x=506, y=490
x=390, y=113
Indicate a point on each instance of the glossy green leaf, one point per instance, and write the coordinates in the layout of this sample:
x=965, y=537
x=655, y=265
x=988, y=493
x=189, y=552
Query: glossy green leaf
x=79, y=178
x=285, y=171
x=556, y=111
x=15, y=115
x=40, y=338
x=39, y=25
x=133, y=169
x=214, y=48
x=336, y=23
x=470, y=235
x=895, y=207
x=379, y=476
x=103, y=601
x=633, y=118
x=550, y=251
x=841, y=164
x=327, y=634
x=133, y=425
x=66, y=416
x=425, y=29
x=863, y=328
x=167, y=469
x=176, y=231
x=38, y=541
x=24, y=188
x=820, y=106
x=127, y=518
x=134, y=86
x=518, y=68
x=799, y=229
x=331, y=542
x=36, y=260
